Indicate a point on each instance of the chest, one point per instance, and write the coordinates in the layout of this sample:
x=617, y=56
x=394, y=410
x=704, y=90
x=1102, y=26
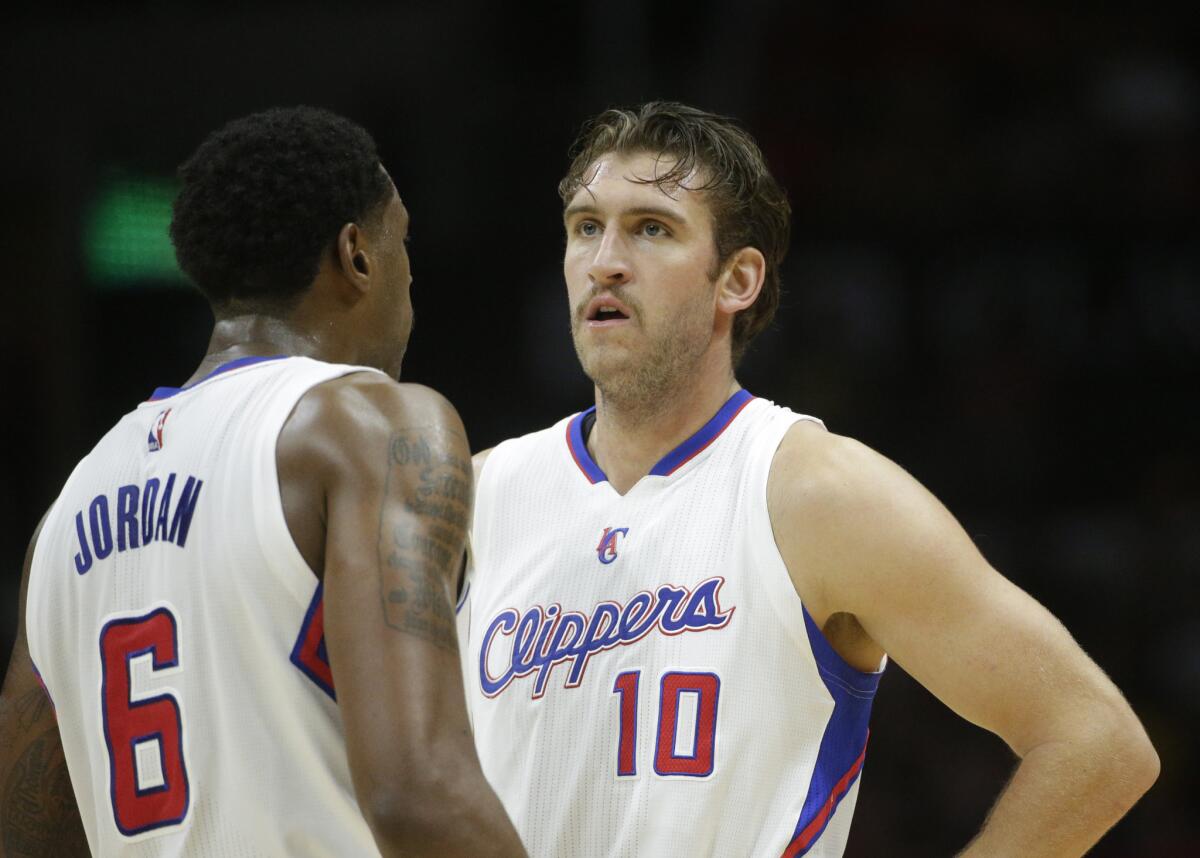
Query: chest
x=580, y=545
x=590, y=575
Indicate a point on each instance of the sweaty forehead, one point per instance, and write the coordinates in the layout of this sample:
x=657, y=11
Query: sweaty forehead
x=620, y=176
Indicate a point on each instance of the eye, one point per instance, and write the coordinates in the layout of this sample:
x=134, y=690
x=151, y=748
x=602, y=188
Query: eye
x=653, y=229
x=588, y=228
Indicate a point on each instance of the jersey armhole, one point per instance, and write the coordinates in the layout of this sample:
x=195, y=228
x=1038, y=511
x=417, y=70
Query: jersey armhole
x=33, y=592
x=773, y=572
x=275, y=538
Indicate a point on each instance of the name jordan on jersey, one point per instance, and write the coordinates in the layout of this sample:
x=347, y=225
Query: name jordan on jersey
x=155, y=524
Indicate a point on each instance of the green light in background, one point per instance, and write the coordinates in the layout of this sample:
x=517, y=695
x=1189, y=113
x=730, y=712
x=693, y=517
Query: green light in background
x=126, y=243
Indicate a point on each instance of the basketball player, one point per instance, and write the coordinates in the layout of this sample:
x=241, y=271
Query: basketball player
x=241, y=604
x=682, y=598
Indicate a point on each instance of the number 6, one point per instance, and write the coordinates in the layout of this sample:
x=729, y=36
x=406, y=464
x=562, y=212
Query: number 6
x=148, y=780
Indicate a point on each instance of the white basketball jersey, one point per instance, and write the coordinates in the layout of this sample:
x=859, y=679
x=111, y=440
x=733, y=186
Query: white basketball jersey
x=179, y=633
x=642, y=677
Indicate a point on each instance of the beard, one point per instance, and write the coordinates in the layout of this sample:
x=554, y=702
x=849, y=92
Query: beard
x=642, y=375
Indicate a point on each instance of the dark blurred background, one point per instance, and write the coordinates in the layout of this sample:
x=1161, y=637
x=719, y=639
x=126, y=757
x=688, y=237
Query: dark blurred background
x=994, y=279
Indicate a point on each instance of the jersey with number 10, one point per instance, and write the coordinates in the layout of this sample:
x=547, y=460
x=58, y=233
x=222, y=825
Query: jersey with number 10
x=641, y=675
x=179, y=633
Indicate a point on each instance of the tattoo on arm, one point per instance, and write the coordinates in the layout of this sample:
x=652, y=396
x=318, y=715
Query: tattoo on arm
x=39, y=814
x=30, y=707
x=418, y=558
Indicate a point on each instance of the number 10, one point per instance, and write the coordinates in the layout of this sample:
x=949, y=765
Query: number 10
x=705, y=689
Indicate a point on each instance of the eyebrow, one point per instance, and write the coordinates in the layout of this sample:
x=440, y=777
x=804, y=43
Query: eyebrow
x=653, y=211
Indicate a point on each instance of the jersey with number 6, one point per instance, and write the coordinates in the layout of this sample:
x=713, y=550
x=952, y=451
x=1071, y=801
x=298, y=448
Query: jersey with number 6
x=642, y=678
x=179, y=633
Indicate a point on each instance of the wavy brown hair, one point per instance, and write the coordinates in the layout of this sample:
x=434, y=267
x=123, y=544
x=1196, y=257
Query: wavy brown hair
x=749, y=207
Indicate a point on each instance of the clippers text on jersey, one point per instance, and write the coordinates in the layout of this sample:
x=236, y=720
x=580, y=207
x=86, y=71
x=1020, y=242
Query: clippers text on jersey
x=541, y=638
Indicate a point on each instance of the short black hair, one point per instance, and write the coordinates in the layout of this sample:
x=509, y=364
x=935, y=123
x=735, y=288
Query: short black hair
x=266, y=195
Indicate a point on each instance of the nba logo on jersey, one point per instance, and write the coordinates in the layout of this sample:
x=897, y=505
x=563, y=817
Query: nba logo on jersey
x=155, y=440
x=607, y=549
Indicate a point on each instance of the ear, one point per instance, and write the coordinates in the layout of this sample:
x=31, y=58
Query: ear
x=742, y=280
x=354, y=257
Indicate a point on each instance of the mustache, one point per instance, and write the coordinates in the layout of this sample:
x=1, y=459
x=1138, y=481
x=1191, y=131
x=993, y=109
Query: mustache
x=580, y=312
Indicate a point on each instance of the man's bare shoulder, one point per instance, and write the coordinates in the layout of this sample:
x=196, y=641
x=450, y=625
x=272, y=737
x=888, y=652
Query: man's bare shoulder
x=814, y=468
x=842, y=513
x=365, y=398
x=350, y=411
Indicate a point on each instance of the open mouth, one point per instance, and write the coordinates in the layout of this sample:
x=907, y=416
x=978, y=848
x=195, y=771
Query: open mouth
x=606, y=308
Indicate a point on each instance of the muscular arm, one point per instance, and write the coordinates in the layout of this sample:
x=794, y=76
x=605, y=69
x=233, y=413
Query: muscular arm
x=870, y=550
x=394, y=469
x=38, y=813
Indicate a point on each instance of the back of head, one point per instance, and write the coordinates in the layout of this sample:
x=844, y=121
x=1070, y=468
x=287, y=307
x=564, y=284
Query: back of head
x=264, y=197
x=749, y=207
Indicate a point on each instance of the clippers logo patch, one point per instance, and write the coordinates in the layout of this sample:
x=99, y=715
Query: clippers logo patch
x=607, y=549
x=155, y=440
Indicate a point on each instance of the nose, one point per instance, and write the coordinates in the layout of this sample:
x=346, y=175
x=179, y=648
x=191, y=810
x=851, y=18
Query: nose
x=610, y=265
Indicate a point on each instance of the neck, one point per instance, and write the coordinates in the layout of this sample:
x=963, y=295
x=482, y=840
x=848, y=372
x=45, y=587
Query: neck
x=629, y=438
x=254, y=334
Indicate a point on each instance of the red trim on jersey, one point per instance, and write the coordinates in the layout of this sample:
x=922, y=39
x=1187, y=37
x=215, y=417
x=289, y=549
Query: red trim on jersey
x=308, y=654
x=37, y=674
x=699, y=441
x=805, y=838
x=717, y=434
x=571, y=428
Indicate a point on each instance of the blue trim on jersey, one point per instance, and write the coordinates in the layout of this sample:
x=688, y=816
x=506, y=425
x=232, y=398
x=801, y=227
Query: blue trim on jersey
x=845, y=735
x=300, y=649
x=167, y=392
x=38, y=675
x=579, y=450
x=675, y=459
x=704, y=436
